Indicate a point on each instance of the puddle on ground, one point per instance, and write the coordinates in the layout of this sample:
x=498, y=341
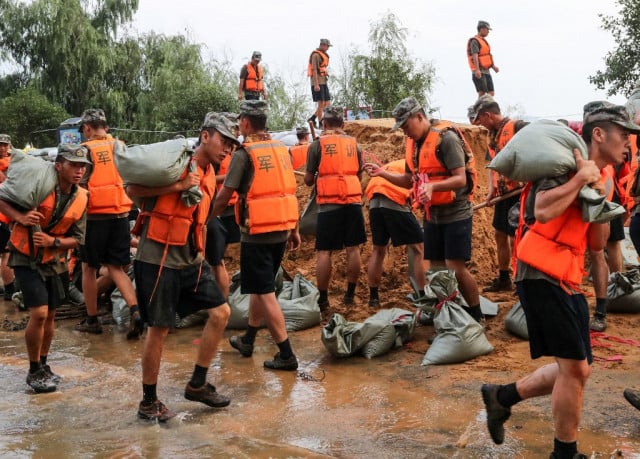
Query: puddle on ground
x=355, y=408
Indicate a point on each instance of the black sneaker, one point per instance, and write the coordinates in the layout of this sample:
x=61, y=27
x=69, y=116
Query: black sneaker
x=497, y=414
x=633, y=397
x=499, y=285
x=136, y=327
x=245, y=349
x=206, y=394
x=323, y=305
x=86, y=327
x=54, y=377
x=277, y=363
x=41, y=382
x=598, y=323
x=154, y=411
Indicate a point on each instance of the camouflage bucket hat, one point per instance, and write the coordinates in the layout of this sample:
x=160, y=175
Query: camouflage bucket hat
x=74, y=153
x=403, y=111
x=601, y=110
x=302, y=130
x=484, y=103
x=325, y=41
x=256, y=55
x=216, y=121
x=253, y=108
x=333, y=112
x=91, y=115
x=5, y=138
x=482, y=24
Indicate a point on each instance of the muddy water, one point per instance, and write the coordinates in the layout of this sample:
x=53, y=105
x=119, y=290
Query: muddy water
x=389, y=407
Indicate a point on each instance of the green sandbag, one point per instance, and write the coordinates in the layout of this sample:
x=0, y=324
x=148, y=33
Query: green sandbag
x=397, y=329
x=516, y=322
x=541, y=149
x=309, y=216
x=343, y=338
x=623, y=292
x=29, y=181
x=299, y=303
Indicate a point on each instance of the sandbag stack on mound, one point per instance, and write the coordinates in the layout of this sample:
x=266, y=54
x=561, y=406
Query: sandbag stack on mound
x=29, y=181
x=544, y=149
x=516, y=322
x=156, y=164
x=377, y=335
x=623, y=292
x=458, y=336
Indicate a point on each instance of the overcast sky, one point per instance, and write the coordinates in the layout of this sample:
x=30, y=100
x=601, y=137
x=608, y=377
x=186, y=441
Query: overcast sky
x=545, y=50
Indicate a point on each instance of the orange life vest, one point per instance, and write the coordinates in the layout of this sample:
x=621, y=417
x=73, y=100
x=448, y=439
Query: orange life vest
x=485, y=59
x=379, y=185
x=224, y=167
x=322, y=68
x=170, y=220
x=106, y=188
x=504, y=134
x=630, y=182
x=253, y=81
x=337, y=181
x=21, y=241
x=270, y=203
x=426, y=161
x=299, y=155
x=4, y=165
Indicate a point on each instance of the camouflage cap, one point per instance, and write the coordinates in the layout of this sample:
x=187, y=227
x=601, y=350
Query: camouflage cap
x=325, y=41
x=91, y=115
x=333, y=112
x=302, y=130
x=217, y=121
x=256, y=55
x=482, y=24
x=484, y=103
x=403, y=111
x=253, y=108
x=5, y=138
x=73, y=153
x=601, y=110
x=231, y=117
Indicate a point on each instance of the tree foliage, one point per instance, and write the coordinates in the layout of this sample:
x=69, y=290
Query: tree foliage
x=623, y=63
x=287, y=102
x=387, y=74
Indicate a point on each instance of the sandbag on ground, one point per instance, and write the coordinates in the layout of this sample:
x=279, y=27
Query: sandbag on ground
x=623, y=292
x=516, y=322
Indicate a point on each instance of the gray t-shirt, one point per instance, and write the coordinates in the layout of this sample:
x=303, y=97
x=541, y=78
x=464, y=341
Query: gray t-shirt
x=451, y=155
x=239, y=178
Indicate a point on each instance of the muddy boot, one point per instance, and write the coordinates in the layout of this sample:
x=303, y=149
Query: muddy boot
x=154, y=411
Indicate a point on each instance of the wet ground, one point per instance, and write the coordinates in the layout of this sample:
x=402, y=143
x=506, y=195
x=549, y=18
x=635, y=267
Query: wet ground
x=389, y=407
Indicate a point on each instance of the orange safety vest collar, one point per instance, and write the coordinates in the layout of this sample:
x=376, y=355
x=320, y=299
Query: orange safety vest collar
x=253, y=81
x=22, y=241
x=485, y=59
x=106, y=187
x=337, y=181
x=270, y=203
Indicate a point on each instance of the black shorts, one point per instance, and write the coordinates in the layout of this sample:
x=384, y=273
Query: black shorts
x=51, y=291
x=340, y=228
x=107, y=242
x=259, y=264
x=448, y=241
x=216, y=241
x=232, y=228
x=401, y=227
x=616, y=227
x=501, y=215
x=252, y=95
x=484, y=83
x=558, y=323
x=322, y=95
x=177, y=292
x=5, y=234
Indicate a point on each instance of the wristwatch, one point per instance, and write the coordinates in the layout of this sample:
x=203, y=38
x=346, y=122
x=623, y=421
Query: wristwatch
x=56, y=243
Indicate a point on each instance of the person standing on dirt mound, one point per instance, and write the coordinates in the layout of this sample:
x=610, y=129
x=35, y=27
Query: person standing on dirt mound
x=391, y=218
x=486, y=112
x=548, y=280
x=334, y=165
x=267, y=213
x=481, y=60
x=172, y=277
x=319, y=75
x=39, y=243
x=6, y=273
x=440, y=165
x=108, y=238
x=251, y=85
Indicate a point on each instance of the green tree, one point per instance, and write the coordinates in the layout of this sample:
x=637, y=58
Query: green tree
x=287, y=102
x=67, y=46
x=28, y=117
x=623, y=63
x=387, y=74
